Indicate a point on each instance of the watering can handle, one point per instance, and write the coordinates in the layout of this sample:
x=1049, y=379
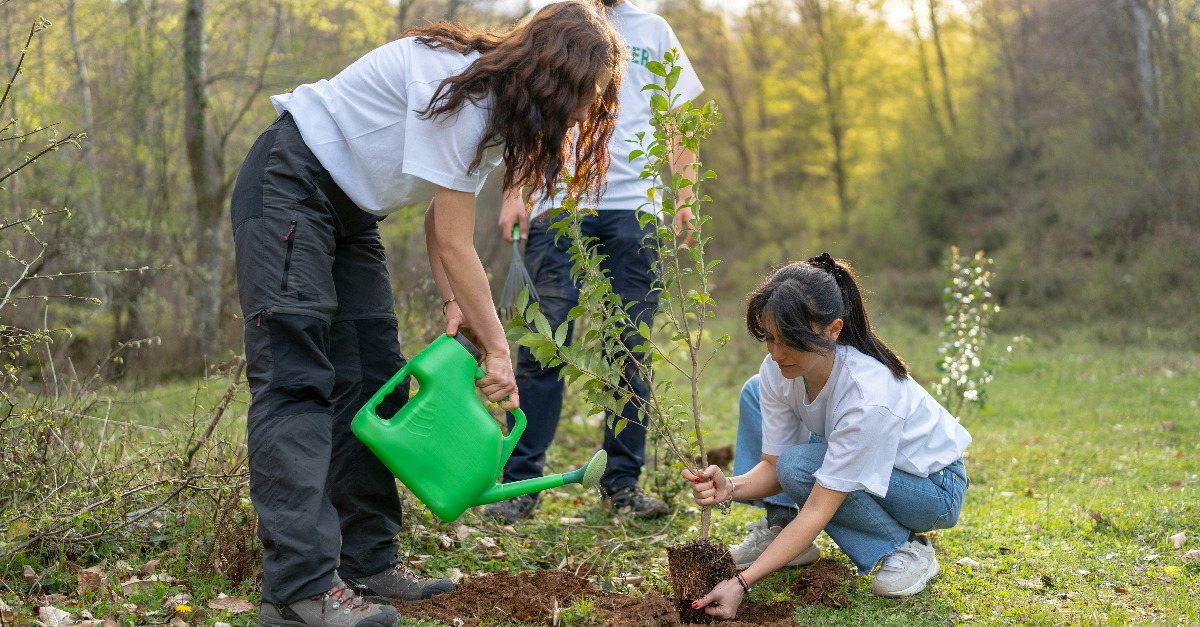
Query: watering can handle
x=514, y=434
x=387, y=388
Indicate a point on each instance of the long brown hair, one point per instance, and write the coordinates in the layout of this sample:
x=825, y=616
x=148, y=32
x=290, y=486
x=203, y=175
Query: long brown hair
x=538, y=74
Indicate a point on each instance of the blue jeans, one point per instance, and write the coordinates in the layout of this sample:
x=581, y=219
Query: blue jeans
x=865, y=526
x=630, y=265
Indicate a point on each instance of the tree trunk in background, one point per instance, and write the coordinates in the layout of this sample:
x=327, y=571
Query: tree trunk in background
x=926, y=79
x=941, y=55
x=817, y=20
x=452, y=7
x=402, y=15
x=1143, y=32
x=89, y=123
x=207, y=176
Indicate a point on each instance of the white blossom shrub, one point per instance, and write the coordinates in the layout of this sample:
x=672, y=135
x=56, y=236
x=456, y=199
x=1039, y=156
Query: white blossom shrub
x=967, y=362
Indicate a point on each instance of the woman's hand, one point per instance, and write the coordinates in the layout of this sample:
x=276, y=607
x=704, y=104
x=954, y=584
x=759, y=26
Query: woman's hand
x=710, y=486
x=723, y=601
x=457, y=323
x=500, y=381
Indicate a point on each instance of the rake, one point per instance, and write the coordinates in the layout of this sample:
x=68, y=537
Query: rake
x=517, y=280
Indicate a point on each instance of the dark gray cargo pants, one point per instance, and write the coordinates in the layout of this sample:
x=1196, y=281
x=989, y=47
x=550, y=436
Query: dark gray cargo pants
x=321, y=338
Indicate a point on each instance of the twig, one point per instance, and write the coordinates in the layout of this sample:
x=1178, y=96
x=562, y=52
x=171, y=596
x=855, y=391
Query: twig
x=21, y=278
x=217, y=412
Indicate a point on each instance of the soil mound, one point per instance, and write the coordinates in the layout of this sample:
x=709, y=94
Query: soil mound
x=821, y=584
x=531, y=598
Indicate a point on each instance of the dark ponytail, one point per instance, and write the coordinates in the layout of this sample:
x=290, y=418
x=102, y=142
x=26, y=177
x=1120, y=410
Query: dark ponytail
x=800, y=296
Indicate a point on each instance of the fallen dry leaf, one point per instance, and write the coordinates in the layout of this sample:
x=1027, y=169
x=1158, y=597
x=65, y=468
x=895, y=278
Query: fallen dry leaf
x=220, y=624
x=236, y=605
x=572, y=521
x=53, y=617
x=182, y=598
x=1099, y=518
x=966, y=561
x=6, y=613
x=1179, y=539
x=148, y=567
x=629, y=581
x=89, y=580
x=456, y=576
x=1120, y=590
x=1193, y=555
x=133, y=585
x=463, y=531
x=1176, y=454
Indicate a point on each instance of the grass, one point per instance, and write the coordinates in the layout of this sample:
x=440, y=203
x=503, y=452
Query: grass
x=1083, y=467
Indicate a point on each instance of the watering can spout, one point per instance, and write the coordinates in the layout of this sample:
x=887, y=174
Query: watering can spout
x=588, y=476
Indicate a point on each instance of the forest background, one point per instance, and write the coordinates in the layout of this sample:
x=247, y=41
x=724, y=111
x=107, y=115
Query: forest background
x=1059, y=136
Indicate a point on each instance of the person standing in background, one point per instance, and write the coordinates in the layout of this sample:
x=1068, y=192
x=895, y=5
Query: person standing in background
x=630, y=264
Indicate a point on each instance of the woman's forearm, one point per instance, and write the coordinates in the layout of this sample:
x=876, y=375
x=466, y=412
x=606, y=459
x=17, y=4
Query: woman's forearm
x=759, y=483
x=456, y=263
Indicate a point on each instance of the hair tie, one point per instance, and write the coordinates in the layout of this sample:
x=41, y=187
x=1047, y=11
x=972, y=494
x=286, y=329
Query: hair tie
x=823, y=260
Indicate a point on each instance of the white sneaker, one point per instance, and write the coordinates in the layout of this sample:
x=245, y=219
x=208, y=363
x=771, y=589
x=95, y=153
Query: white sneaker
x=906, y=570
x=759, y=539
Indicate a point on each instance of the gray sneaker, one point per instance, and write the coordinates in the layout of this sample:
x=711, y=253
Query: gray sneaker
x=906, y=570
x=757, y=541
x=398, y=583
x=633, y=501
x=337, y=607
x=512, y=510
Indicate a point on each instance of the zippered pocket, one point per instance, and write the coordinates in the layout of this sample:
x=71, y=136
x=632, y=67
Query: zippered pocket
x=290, y=239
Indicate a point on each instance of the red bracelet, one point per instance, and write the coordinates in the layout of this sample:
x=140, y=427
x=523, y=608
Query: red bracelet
x=742, y=580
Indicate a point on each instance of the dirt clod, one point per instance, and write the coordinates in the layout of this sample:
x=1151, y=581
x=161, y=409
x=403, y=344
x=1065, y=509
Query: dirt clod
x=696, y=568
x=821, y=584
x=532, y=598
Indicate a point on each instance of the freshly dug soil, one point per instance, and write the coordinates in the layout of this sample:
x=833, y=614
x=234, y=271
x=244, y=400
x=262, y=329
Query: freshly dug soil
x=821, y=584
x=531, y=598
x=696, y=567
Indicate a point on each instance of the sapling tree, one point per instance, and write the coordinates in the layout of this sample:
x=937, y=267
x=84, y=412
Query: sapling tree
x=615, y=350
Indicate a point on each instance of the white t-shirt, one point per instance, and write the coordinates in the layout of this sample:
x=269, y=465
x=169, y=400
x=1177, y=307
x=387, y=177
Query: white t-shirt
x=648, y=37
x=873, y=422
x=364, y=126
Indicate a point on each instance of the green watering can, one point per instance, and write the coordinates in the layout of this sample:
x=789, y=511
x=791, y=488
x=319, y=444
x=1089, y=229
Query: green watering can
x=443, y=444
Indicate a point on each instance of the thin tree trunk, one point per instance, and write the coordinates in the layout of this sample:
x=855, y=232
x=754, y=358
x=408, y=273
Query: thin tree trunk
x=817, y=21
x=402, y=15
x=1143, y=30
x=926, y=79
x=941, y=55
x=89, y=123
x=207, y=176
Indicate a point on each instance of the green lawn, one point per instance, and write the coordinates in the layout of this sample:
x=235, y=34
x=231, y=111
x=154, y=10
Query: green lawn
x=1083, y=467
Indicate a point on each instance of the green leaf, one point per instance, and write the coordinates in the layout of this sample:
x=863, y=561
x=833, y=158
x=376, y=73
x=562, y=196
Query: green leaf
x=620, y=426
x=542, y=325
x=656, y=68
x=560, y=336
x=673, y=77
